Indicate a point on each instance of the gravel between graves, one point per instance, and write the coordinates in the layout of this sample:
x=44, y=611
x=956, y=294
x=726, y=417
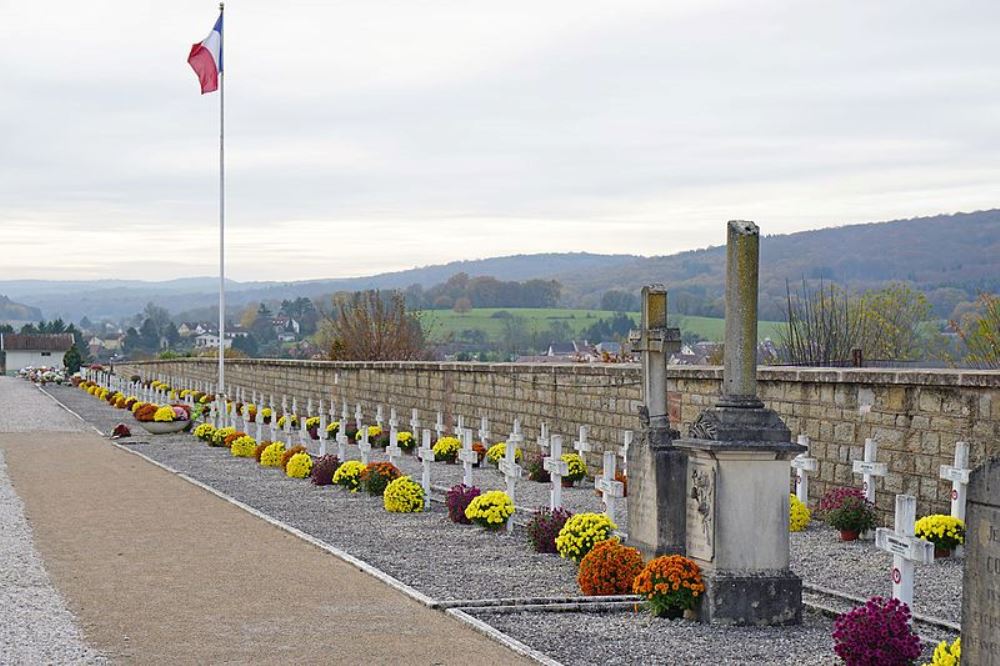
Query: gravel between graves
x=36, y=628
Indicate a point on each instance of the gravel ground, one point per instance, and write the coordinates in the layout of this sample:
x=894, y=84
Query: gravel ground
x=48, y=418
x=626, y=638
x=36, y=628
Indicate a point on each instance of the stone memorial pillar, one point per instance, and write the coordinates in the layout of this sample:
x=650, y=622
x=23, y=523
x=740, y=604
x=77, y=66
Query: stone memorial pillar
x=656, y=469
x=737, y=473
x=981, y=577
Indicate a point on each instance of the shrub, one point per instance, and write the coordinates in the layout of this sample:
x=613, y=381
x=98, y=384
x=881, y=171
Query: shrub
x=847, y=509
x=577, y=468
x=299, y=466
x=323, y=470
x=947, y=655
x=544, y=527
x=536, y=470
x=271, y=457
x=287, y=455
x=228, y=441
x=446, y=448
x=609, y=568
x=581, y=533
x=498, y=451
x=348, y=475
x=243, y=447
x=377, y=476
x=945, y=532
x=204, y=431
x=798, y=514
x=490, y=510
x=457, y=499
x=403, y=495
x=219, y=436
x=670, y=584
x=259, y=451
x=876, y=634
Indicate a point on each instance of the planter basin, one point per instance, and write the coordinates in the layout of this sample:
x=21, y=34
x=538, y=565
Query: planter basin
x=164, y=428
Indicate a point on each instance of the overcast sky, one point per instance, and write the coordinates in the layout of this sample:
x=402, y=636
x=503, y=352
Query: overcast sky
x=368, y=136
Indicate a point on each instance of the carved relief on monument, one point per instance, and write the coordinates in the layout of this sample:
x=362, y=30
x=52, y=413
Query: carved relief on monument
x=701, y=510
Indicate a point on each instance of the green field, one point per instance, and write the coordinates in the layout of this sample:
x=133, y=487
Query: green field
x=440, y=323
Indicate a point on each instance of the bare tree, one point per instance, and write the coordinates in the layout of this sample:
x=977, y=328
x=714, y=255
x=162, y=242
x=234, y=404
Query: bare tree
x=372, y=326
x=980, y=332
x=823, y=327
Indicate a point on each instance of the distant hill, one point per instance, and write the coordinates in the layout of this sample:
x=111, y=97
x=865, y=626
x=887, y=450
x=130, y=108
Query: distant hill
x=17, y=312
x=950, y=257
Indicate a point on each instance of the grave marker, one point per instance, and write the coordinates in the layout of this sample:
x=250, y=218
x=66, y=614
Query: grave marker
x=468, y=456
x=415, y=422
x=342, y=434
x=484, y=431
x=511, y=471
x=379, y=416
x=543, y=439
x=611, y=490
x=626, y=445
x=869, y=469
x=906, y=549
x=426, y=455
x=439, y=425
x=981, y=575
x=582, y=446
x=364, y=445
x=323, y=434
x=803, y=464
x=557, y=468
x=358, y=417
x=958, y=474
x=393, y=450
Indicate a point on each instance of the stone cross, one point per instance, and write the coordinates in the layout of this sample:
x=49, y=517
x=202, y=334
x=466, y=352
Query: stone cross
x=379, y=416
x=511, y=472
x=288, y=429
x=213, y=411
x=468, y=456
x=426, y=455
x=515, y=436
x=323, y=434
x=303, y=433
x=245, y=416
x=358, y=417
x=484, y=431
x=869, y=469
x=459, y=425
x=415, y=422
x=581, y=445
x=803, y=464
x=364, y=445
x=543, y=439
x=656, y=342
x=284, y=406
x=295, y=406
x=272, y=423
x=393, y=450
x=611, y=489
x=626, y=445
x=906, y=549
x=958, y=474
x=557, y=468
x=439, y=425
x=342, y=433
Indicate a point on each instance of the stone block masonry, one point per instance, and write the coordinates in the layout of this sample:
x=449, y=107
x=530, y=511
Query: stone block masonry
x=916, y=415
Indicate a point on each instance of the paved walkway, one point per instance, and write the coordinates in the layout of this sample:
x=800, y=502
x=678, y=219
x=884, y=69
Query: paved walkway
x=159, y=571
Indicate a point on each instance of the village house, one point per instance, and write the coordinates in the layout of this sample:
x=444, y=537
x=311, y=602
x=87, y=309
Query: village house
x=34, y=350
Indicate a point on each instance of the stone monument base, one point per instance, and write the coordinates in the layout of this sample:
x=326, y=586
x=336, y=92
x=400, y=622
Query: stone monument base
x=758, y=599
x=657, y=474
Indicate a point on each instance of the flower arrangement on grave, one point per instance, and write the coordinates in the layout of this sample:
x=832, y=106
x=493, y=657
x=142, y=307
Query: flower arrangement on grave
x=164, y=414
x=381, y=440
x=847, y=510
x=323, y=470
x=581, y=533
x=536, y=469
x=285, y=418
x=458, y=499
x=373, y=432
x=491, y=509
x=147, y=412
x=878, y=632
x=496, y=452
x=265, y=415
x=206, y=399
x=332, y=428
x=181, y=412
x=130, y=402
x=348, y=475
x=446, y=449
x=946, y=532
x=671, y=584
x=351, y=431
x=259, y=451
x=576, y=467
x=378, y=475
x=403, y=495
x=287, y=455
x=299, y=466
x=312, y=426
x=480, y=449
x=271, y=456
x=405, y=440
x=609, y=568
x=252, y=413
x=243, y=447
x=232, y=437
x=113, y=398
x=220, y=434
x=544, y=527
x=204, y=431
x=947, y=655
x=798, y=514
x=119, y=401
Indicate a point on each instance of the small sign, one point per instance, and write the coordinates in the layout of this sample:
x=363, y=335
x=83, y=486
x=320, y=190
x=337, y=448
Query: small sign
x=556, y=466
x=872, y=468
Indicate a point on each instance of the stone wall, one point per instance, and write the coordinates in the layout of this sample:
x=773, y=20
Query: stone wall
x=915, y=415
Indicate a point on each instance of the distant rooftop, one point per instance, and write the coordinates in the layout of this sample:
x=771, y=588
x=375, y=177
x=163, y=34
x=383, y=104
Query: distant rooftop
x=57, y=342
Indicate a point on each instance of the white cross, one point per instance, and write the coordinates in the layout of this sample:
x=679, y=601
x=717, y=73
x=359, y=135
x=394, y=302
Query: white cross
x=309, y=407
x=557, y=468
x=358, y=416
x=246, y=417
x=323, y=434
x=295, y=406
x=214, y=413
x=543, y=439
x=303, y=433
x=610, y=489
x=393, y=450
x=511, y=472
x=379, y=417
x=439, y=425
x=342, y=433
x=364, y=445
x=958, y=474
x=870, y=469
x=271, y=421
x=284, y=406
x=426, y=454
x=581, y=445
x=515, y=436
x=626, y=445
x=288, y=429
x=803, y=464
x=905, y=548
x=415, y=422
x=484, y=431
x=468, y=456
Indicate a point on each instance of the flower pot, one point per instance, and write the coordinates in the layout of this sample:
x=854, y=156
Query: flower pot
x=941, y=552
x=849, y=535
x=313, y=433
x=451, y=461
x=567, y=483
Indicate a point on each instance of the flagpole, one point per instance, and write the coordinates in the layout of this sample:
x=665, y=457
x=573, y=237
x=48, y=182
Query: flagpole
x=222, y=217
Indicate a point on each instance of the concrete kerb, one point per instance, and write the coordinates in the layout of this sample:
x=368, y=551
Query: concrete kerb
x=474, y=623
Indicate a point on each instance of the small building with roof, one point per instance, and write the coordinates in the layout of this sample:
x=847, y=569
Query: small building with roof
x=34, y=350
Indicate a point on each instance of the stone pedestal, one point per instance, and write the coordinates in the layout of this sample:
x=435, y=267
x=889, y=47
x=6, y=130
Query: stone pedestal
x=657, y=473
x=981, y=579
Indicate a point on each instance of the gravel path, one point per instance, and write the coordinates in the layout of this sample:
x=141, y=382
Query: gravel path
x=43, y=416
x=36, y=627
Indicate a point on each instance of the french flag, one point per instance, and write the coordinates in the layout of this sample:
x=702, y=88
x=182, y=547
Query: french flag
x=206, y=59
